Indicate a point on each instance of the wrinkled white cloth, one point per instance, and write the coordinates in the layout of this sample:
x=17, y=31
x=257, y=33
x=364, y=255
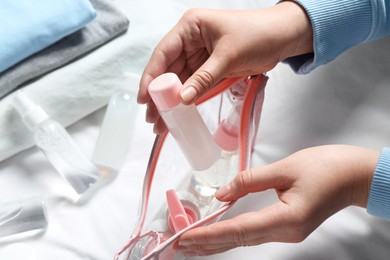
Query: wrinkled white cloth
x=82, y=87
x=343, y=102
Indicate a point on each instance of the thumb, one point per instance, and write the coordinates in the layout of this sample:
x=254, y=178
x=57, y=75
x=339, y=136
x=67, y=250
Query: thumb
x=254, y=180
x=211, y=72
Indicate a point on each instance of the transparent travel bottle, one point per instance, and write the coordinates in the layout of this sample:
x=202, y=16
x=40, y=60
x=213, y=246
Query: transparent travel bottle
x=159, y=234
x=22, y=218
x=117, y=127
x=205, y=183
x=184, y=122
x=180, y=211
x=57, y=145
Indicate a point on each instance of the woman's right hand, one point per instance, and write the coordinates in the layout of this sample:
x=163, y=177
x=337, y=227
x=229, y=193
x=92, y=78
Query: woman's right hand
x=311, y=184
x=208, y=45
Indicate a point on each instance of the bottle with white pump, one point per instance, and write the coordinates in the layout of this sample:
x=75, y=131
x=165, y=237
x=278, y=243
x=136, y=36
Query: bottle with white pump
x=57, y=145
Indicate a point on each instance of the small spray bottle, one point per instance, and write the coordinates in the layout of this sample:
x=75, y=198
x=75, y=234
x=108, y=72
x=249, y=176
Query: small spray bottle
x=117, y=127
x=57, y=145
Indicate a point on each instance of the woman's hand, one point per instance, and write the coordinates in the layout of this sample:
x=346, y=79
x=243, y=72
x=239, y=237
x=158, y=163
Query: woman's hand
x=311, y=184
x=208, y=45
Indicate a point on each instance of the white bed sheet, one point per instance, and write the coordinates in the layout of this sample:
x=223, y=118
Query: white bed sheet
x=343, y=102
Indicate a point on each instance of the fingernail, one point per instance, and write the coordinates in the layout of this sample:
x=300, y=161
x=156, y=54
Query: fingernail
x=223, y=191
x=188, y=94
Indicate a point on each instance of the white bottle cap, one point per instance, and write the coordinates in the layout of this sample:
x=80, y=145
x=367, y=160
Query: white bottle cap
x=118, y=126
x=32, y=115
x=131, y=82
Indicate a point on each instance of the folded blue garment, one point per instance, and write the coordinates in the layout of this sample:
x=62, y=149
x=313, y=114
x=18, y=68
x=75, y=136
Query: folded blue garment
x=29, y=26
x=109, y=23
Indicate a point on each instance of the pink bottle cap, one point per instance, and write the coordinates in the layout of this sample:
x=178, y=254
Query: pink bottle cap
x=179, y=216
x=165, y=91
x=226, y=138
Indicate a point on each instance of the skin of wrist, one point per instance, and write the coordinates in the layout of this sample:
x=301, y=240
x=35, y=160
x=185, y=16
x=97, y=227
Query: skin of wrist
x=364, y=176
x=297, y=29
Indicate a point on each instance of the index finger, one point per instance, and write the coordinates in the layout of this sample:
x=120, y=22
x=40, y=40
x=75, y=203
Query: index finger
x=247, y=229
x=165, y=53
x=271, y=176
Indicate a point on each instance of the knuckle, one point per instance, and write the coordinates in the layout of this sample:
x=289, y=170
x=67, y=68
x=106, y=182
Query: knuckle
x=285, y=165
x=245, y=179
x=163, y=55
x=190, y=12
x=240, y=237
x=299, y=229
x=300, y=236
x=206, y=235
x=205, y=80
x=190, y=15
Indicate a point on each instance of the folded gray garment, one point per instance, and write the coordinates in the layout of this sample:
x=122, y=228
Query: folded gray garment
x=108, y=24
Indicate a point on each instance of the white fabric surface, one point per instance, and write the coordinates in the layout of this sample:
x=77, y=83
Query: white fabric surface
x=71, y=93
x=343, y=102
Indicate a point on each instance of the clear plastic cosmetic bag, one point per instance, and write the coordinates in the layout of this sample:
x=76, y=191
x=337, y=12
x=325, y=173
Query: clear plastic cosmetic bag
x=154, y=244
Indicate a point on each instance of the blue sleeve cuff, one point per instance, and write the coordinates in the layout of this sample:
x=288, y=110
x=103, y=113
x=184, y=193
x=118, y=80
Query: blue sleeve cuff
x=379, y=196
x=337, y=26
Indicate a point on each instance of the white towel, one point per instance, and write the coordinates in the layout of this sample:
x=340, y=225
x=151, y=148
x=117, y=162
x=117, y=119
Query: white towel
x=78, y=89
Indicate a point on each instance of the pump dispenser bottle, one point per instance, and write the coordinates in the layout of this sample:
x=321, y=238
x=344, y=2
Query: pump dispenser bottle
x=57, y=145
x=184, y=122
x=117, y=127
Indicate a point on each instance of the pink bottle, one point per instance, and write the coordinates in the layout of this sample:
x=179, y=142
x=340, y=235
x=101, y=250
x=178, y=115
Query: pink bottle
x=184, y=122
